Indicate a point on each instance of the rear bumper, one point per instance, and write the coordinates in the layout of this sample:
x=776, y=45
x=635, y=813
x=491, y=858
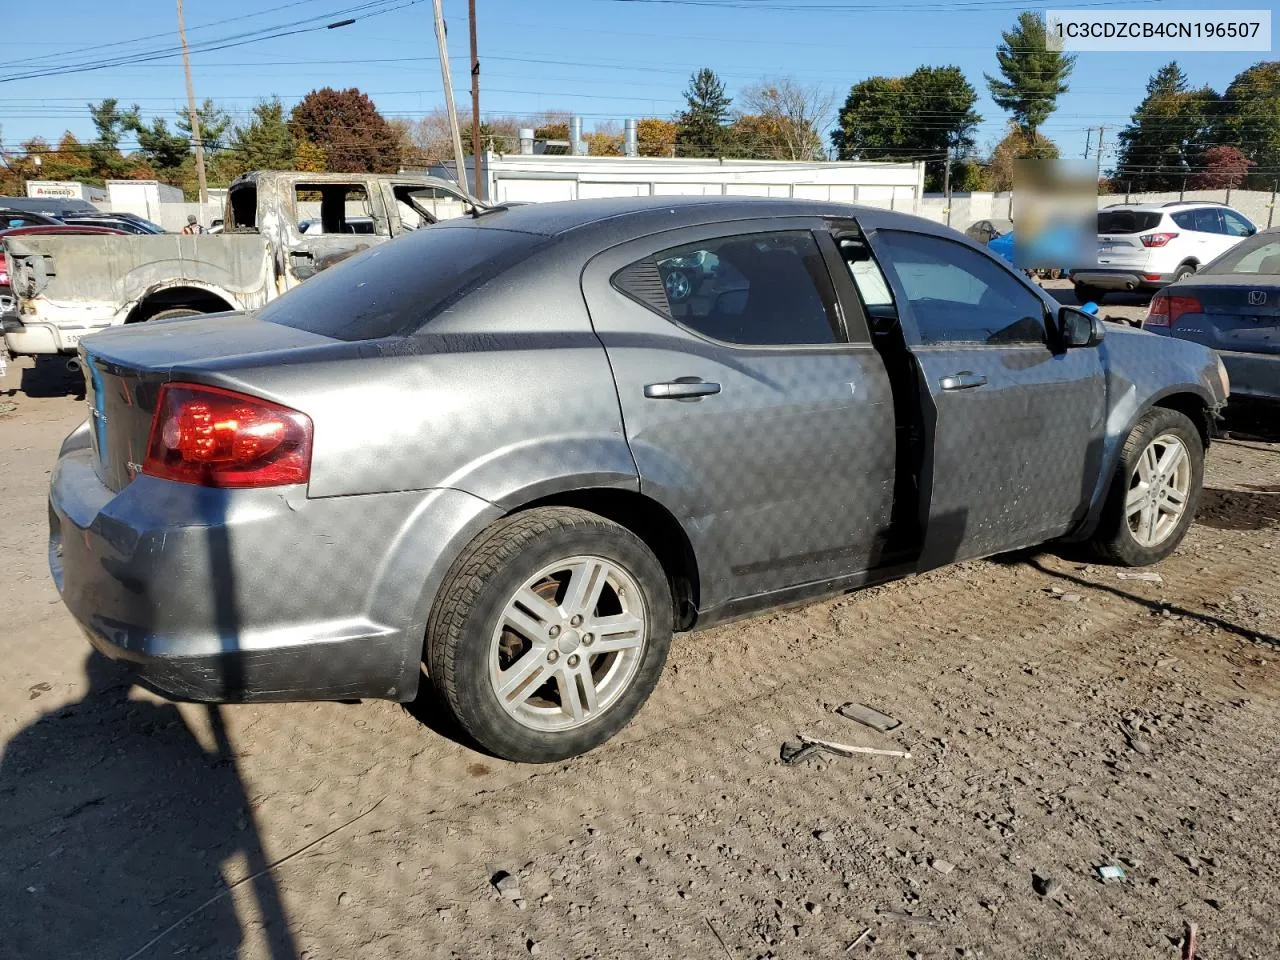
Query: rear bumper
x=35, y=338
x=1128, y=279
x=253, y=595
x=1253, y=375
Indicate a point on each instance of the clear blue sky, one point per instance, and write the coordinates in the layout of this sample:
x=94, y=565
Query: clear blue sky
x=602, y=59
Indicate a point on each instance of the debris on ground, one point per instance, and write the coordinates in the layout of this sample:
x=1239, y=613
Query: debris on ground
x=507, y=885
x=1111, y=872
x=868, y=717
x=847, y=750
x=858, y=939
x=1150, y=576
x=1188, y=941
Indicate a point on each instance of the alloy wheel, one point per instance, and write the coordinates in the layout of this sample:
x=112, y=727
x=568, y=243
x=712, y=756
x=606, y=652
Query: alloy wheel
x=568, y=643
x=1158, y=490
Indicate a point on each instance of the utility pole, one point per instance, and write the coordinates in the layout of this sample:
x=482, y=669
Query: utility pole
x=191, y=108
x=946, y=184
x=1098, y=167
x=1088, y=141
x=452, y=107
x=481, y=179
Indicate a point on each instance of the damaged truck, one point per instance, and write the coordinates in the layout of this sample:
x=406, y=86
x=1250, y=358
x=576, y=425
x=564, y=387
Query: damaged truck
x=280, y=229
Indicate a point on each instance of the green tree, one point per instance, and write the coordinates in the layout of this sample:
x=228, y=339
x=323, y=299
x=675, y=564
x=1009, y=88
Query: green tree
x=1016, y=145
x=1168, y=133
x=214, y=124
x=701, y=130
x=346, y=125
x=920, y=116
x=265, y=143
x=110, y=123
x=1250, y=119
x=161, y=148
x=1034, y=75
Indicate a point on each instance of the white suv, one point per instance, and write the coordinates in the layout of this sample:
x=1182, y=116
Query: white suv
x=1150, y=245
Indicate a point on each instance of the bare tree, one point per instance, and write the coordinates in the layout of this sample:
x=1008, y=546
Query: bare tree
x=798, y=114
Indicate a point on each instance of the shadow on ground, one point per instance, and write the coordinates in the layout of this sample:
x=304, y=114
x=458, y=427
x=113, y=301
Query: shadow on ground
x=49, y=377
x=116, y=824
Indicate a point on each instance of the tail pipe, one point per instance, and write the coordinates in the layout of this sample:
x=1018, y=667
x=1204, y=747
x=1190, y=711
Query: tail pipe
x=74, y=364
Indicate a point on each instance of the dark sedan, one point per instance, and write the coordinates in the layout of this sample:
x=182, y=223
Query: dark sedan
x=510, y=450
x=1232, y=305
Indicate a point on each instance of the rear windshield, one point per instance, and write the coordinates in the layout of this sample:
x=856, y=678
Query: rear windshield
x=397, y=286
x=1258, y=256
x=1127, y=221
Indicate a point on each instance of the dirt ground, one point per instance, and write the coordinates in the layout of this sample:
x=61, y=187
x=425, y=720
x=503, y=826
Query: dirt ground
x=1059, y=718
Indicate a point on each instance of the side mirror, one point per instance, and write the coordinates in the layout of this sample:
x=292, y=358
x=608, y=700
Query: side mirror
x=1079, y=328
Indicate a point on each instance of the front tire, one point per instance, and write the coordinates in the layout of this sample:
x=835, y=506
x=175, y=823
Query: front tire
x=1155, y=492
x=549, y=633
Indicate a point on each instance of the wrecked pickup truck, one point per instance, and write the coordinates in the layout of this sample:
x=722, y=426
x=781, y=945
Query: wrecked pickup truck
x=65, y=288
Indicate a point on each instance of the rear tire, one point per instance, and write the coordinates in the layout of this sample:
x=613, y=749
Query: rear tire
x=532, y=674
x=173, y=314
x=1087, y=294
x=1146, y=482
x=1184, y=271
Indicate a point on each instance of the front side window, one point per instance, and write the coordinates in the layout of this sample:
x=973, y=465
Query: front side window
x=333, y=208
x=763, y=289
x=1235, y=224
x=960, y=296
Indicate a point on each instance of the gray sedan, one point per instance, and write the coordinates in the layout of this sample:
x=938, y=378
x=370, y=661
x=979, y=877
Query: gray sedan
x=515, y=452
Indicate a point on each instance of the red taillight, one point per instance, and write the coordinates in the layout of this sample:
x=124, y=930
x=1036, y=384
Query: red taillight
x=1165, y=309
x=1156, y=239
x=217, y=438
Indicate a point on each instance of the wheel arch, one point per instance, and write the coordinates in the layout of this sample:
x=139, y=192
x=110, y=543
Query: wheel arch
x=649, y=520
x=1191, y=400
x=195, y=295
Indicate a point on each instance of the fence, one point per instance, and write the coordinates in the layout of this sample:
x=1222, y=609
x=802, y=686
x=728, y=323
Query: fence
x=966, y=208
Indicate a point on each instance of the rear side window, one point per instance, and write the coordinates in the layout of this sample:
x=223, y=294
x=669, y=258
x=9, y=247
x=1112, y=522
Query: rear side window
x=1253, y=258
x=1127, y=221
x=762, y=289
x=1208, y=220
x=396, y=287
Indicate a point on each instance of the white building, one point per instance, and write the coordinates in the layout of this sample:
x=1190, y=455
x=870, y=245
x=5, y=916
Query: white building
x=546, y=177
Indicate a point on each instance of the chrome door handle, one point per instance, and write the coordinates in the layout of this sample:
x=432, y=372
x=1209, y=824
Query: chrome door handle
x=965, y=380
x=682, y=388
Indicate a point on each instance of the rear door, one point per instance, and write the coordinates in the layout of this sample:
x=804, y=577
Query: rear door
x=1015, y=426
x=756, y=411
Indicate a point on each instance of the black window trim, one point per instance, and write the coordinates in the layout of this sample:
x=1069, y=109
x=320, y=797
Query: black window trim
x=656, y=243
x=914, y=340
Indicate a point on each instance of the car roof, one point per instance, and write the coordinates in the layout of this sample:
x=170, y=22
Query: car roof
x=1162, y=206
x=653, y=214
x=60, y=228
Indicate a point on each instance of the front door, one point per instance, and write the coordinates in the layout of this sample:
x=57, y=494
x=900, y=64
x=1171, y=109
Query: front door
x=1016, y=425
x=750, y=414
x=332, y=221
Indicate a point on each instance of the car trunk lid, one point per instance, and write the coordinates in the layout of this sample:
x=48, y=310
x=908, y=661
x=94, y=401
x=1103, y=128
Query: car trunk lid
x=1238, y=313
x=1119, y=237
x=125, y=368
